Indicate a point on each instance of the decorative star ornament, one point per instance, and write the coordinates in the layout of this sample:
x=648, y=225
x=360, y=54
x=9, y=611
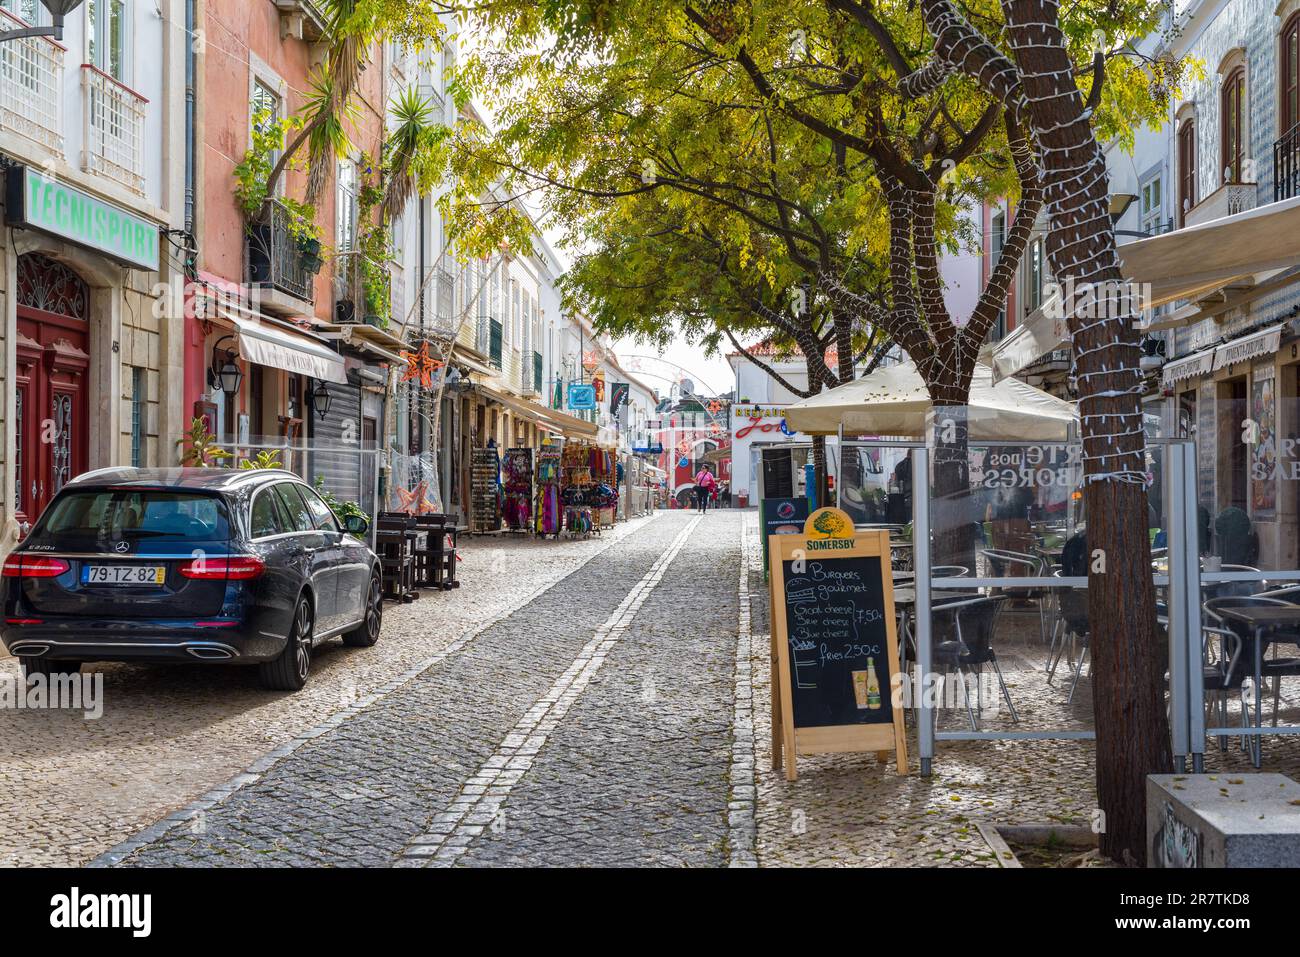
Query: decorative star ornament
x=420, y=365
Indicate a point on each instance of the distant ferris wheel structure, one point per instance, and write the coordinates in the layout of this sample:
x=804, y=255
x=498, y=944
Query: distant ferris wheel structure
x=682, y=379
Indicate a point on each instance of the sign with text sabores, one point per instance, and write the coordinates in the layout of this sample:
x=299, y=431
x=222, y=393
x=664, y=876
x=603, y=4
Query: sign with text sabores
x=834, y=643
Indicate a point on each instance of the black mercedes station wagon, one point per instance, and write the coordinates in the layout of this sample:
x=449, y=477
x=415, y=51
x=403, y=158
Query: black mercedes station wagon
x=213, y=565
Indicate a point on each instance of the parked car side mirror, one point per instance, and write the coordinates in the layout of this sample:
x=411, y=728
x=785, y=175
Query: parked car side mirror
x=356, y=525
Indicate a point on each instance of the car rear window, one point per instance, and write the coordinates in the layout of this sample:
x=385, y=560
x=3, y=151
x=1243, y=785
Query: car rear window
x=96, y=519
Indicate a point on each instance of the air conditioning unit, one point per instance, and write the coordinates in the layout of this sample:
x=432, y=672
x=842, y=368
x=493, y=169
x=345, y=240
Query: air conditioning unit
x=1153, y=353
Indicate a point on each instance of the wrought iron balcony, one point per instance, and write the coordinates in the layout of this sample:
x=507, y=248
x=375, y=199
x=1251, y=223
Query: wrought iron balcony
x=1286, y=165
x=30, y=78
x=279, y=261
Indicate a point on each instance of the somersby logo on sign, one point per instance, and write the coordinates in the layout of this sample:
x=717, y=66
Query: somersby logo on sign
x=77, y=910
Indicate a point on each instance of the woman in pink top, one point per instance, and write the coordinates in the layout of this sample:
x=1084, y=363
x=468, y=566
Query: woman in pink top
x=704, y=483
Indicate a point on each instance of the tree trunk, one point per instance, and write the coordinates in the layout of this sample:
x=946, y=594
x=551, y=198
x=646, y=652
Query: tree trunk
x=820, y=485
x=1127, y=666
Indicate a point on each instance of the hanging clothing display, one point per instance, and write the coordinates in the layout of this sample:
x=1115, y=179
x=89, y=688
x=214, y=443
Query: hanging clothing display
x=548, y=511
x=588, y=488
x=517, y=488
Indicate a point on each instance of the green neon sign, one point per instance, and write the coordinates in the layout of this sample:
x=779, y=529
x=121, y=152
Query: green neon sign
x=37, y=202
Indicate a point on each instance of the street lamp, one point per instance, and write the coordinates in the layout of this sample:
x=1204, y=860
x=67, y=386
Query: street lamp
x=227, y=377
x=58, y=10
x=320, y=399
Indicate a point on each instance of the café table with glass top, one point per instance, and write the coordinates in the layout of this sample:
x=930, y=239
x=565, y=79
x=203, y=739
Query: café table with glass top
x=1259, y=619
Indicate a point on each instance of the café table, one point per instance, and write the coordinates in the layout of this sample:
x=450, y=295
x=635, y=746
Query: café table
x=1260, y=619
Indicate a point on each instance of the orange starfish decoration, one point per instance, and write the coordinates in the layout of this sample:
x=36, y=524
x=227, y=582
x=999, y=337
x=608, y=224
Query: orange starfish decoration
x=420, y=365
x=415, y=501
x=715, y=407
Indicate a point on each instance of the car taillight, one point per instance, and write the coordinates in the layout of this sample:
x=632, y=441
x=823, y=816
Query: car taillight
x=235, y=568
x=32, y=566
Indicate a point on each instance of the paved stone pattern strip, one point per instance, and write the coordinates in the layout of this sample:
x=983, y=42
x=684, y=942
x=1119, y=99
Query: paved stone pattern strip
x=479, y=803
x=637, y=774
x=740, y=813
x=357, y=794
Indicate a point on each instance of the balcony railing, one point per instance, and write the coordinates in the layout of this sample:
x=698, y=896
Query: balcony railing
x=494, y=343
x=1286, y=165
x=114, y=129
x=277, y=259
x=31, y=69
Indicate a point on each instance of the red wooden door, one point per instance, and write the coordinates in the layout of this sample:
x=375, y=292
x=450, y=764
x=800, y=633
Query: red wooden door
x=53, y=362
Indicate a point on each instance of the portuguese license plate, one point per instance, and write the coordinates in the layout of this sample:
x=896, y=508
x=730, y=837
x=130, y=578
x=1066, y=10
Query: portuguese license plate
x=123, y=574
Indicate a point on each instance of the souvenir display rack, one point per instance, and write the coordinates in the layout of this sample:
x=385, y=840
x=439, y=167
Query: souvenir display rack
x=485, y=492
x=517, y=489
x=548, y=512
x=587, y=474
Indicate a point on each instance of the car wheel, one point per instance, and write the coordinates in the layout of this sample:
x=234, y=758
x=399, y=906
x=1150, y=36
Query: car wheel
x=289, y=671
x=367, y=633
x=48, y=667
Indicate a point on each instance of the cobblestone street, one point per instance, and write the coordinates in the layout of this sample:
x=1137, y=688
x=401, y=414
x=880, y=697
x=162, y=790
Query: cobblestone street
x=596, y=702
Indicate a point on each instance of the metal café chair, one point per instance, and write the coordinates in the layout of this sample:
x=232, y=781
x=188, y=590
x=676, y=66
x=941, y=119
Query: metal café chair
x=1276, y=667
x=1069, y=630
x=1035, y=566
x=972, y=647
x=1222, y=674
x=1231, y=589
x=949, y=571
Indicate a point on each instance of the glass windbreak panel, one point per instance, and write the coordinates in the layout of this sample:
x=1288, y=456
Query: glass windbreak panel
x=1009, y=559
x=1246, y=432
x=876, y=484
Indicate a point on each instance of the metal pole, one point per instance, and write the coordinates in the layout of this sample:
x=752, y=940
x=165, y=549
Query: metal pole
x=1176, y=606
x=1191, y=598
x=921, y=610
x=839, y=471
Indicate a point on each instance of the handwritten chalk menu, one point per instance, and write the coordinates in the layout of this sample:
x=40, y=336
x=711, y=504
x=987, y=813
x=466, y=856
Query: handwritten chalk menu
x=834, y=643
x=839, y=645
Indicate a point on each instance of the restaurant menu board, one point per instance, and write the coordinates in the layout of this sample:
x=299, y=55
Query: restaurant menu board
x=834, y=643
x=782, y=516
x=839, y=645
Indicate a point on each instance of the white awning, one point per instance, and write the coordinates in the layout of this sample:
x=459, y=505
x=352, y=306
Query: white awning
x=1178, y=265
x=1042, y=330
x=894, y=400
x=1262, y=343
x=279, y=347
x=1197, y=364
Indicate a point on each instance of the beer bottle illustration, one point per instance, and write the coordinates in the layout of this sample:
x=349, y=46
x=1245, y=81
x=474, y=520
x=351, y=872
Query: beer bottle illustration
x=873, y=686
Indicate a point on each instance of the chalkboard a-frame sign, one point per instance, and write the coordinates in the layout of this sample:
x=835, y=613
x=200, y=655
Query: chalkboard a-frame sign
x=834, y=643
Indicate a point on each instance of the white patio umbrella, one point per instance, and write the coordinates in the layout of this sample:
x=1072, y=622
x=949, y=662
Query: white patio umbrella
x=894, y=401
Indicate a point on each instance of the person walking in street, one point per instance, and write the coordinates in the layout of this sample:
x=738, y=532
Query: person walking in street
x=704, y=485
